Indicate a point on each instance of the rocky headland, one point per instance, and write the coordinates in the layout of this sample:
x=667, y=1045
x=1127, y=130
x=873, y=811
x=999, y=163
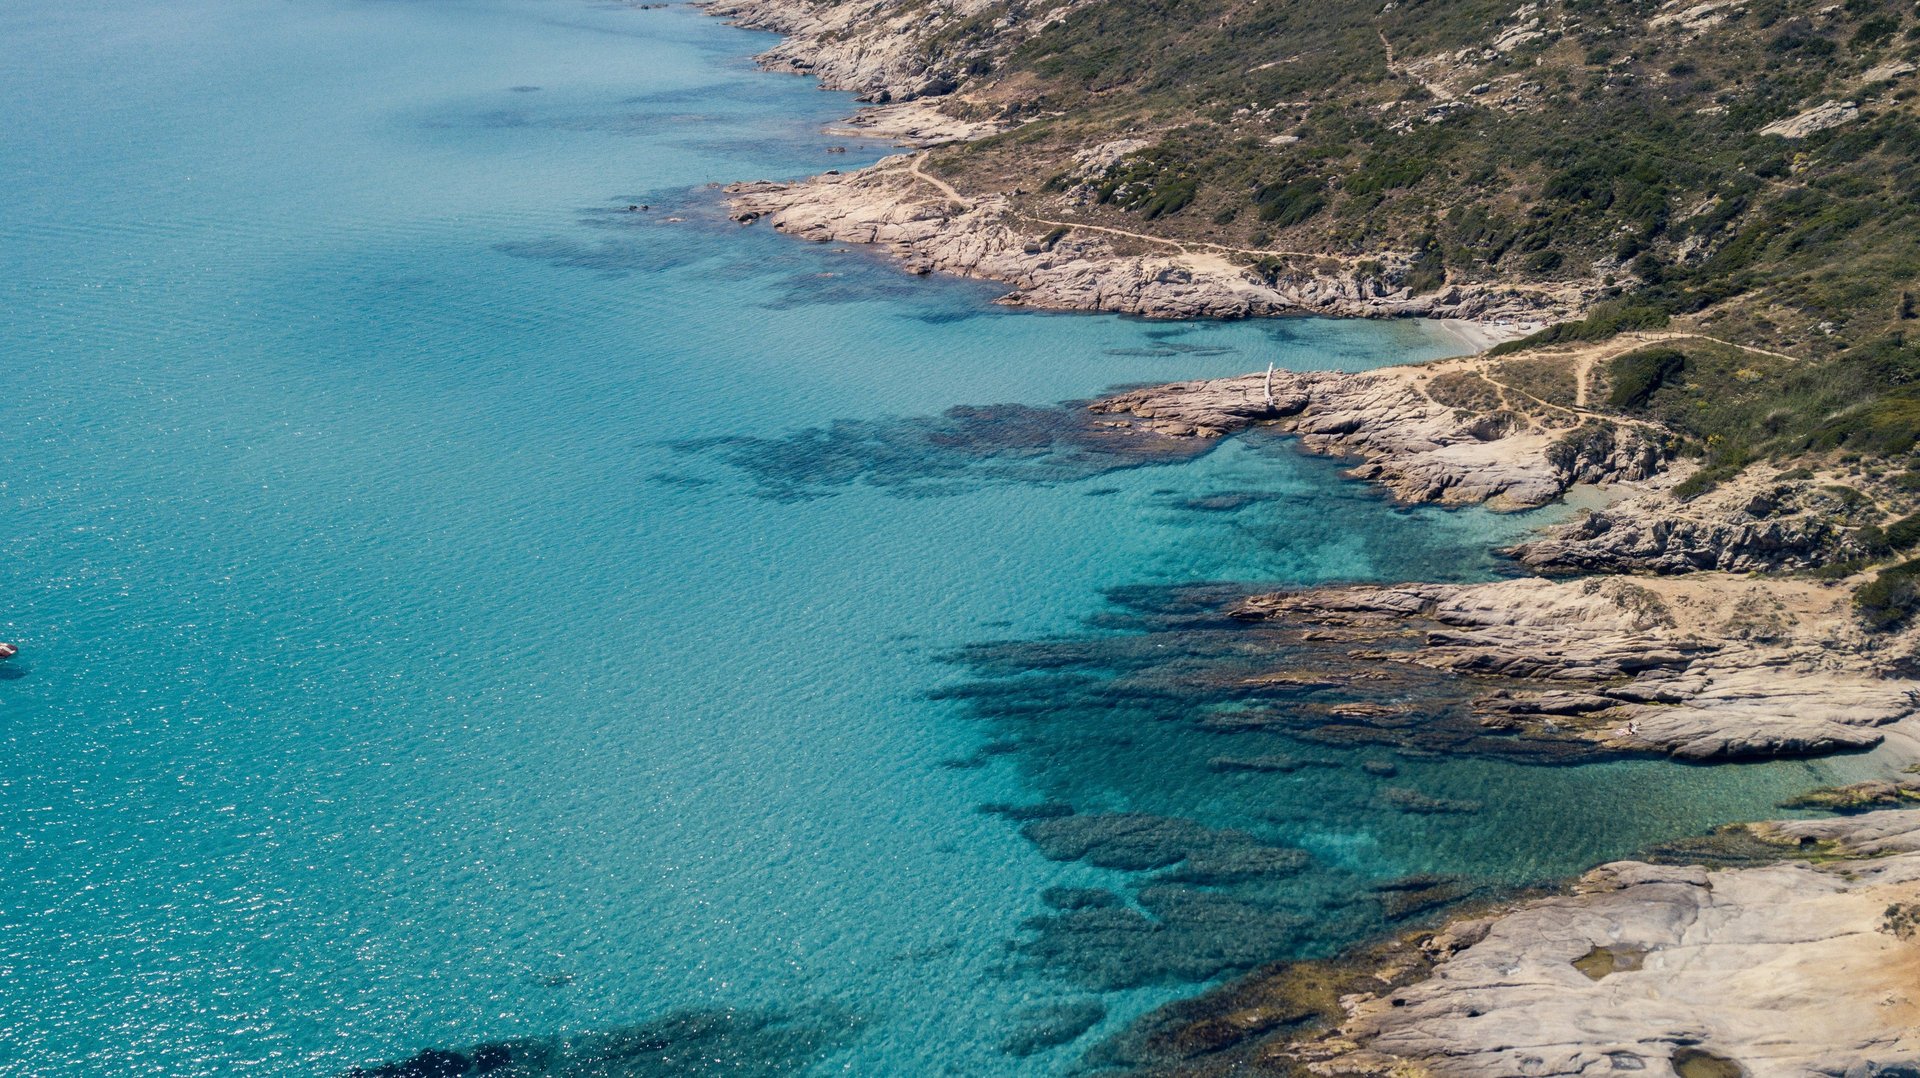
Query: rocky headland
x=930, y=226
x=1408, y=431
x=905, y=61
x=1511, y=164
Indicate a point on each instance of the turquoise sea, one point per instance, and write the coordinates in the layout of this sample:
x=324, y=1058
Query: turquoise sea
x=454, y=609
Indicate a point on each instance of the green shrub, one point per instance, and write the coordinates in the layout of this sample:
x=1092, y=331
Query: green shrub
x=1429, y=269
x=1638, y=375
x=1148, y=183
x=1291, y=201
x=1886, y=426
x=1607, y=320
x=1170, y=198
x=1890, y=599
x=1705, y=480
x=1589, y=442
x=1382, y=172
x=1901, y=535
x=1874, y=31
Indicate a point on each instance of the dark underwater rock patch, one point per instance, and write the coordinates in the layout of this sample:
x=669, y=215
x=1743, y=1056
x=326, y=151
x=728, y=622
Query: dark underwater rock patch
x=1273, y=763
x=956, y=451
x=1049, y=1025
x=1178, y=934
x=1181, y=655
x=812, y=287
x=1402, y=799
x=1412, y=896
x=1206, y=901
x=1228, y=501
x=1223, y=1031
x=981, y=756
x=1044, y=810
x=608, y=258
x=1169, y=350
x=1081, y=898
x=739, y=1043
x=438, y=1063
x=1167, y=691
x=1136, y=841
x=1124, y=840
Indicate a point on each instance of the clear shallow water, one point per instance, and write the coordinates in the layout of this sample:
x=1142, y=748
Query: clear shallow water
x=453, y=608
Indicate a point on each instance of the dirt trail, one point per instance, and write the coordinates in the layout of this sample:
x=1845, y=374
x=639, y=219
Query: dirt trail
x=1186, y=245
x=1586, y=359
x=942, y=186
x=946, y=189
x=1436, y=89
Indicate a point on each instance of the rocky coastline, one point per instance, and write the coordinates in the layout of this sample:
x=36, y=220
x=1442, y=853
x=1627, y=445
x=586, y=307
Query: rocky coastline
x=1704, y=667
x=1649, y=629
x=1690, y=657
x=1055, y=264
x=1685, y=633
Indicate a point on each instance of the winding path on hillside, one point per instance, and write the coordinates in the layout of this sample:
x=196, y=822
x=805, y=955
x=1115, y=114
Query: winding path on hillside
x=947, y=189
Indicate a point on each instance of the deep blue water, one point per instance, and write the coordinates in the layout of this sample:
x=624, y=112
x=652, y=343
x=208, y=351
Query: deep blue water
x=453, y=608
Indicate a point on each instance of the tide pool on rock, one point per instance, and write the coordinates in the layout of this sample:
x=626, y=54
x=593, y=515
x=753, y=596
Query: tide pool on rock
x=458, y=610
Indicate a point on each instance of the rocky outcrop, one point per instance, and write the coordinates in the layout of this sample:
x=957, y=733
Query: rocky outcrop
x=1698, y=663
x=875, y=48
x=889, y=51
x=1858, y=796
x=1873, y=834
x=1814, y=120
x=1789, y=968
x=931, y=227
x=1674, y=542
x=912, y=123
x=1749, y=525
x=1702, y=667
x=1418, y=447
